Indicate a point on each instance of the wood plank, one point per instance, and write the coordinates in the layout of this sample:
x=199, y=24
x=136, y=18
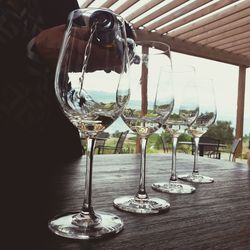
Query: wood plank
x=125, y=6
x=108, y=3
x=239, y=51
x=235, y=41
x=143, y=9
x=229, y=15
x=238, y=47
x=240, y=107
x=225, y=37
x=189, y=48
x=177, y=13
x=86, y=3
x=200, y=13
x=242, y=50
x=246, y=53
x=219, y=30
x=159, y=12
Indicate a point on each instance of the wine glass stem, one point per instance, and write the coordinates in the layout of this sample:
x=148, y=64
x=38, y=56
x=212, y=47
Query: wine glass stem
x=196, y=144
x=87, y=203
x=141, y=194
x=173, y=176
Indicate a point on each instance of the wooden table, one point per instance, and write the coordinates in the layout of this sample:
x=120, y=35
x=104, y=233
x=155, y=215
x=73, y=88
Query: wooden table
x=216, y=216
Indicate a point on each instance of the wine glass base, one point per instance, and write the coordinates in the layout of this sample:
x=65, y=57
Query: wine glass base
x=107, y=224
x=173, y=188
x=196, y=178
x=141, y=206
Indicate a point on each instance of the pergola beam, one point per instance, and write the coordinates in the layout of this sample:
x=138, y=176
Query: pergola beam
x=189, y=48
x=240, y=107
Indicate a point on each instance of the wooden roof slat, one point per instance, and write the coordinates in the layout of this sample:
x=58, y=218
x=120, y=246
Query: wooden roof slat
x=108, y=3
x=87, y=3
x=190, y=48
x=224, y=28
x=238, y=47
x=216, y=24
x=178, y=13
x=200, y=13
x=197, y=27
x=242, y=50
x=143, y=9
x=125, y=6
x=235, y=37
x=159, y=12
x=234, y=41
x=246, y=53
x=223, y=37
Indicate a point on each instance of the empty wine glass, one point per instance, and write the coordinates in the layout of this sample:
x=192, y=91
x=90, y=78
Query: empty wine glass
x=206, y=118
x=183, y=115
x=92, y=87
x=151, y=101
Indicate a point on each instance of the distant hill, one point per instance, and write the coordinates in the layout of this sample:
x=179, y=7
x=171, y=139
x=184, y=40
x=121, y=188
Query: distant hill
x=121, y=126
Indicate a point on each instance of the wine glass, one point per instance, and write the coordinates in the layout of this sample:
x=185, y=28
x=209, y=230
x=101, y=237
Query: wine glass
x=185, y=111
x=206, y=118
x=150, y=102
x=92, y=87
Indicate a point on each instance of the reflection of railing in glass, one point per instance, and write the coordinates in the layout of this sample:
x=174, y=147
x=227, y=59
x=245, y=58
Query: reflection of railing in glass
x=117, y=148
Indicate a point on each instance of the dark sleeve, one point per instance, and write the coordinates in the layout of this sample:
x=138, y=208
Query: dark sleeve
x=11, y=25
x=55, y=12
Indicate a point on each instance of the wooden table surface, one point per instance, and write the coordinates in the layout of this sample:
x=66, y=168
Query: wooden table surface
x=216, y=216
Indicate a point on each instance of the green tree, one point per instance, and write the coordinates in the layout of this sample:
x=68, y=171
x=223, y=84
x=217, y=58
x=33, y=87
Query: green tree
x=158, y=141
x=185, y=137
x=116, y=134
x=221, y=130
x=246, y=137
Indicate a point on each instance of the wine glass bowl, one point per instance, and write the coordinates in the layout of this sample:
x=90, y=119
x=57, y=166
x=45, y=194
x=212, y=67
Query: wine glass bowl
x=151, y=101
x=92, y=87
